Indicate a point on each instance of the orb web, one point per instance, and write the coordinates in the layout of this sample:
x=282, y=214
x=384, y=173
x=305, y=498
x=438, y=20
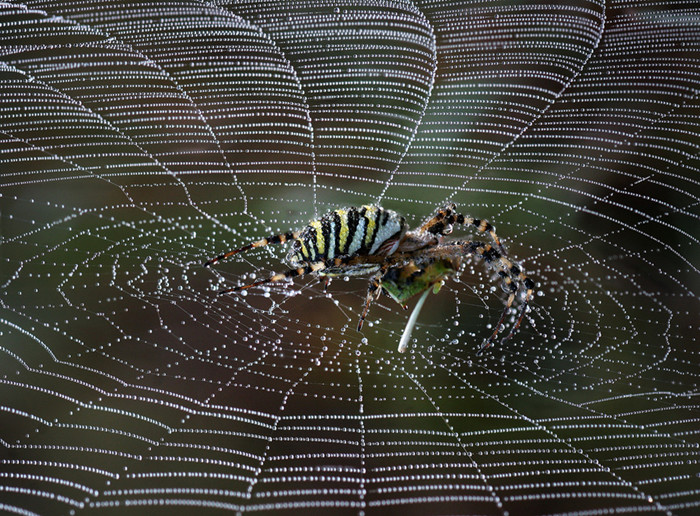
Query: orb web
x=138, y=140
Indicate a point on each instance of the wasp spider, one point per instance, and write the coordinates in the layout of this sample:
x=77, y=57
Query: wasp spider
x=403, y=263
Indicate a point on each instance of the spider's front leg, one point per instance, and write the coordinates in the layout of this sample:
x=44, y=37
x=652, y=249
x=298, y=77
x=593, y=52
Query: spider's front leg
x=513, y=279
x=443, y=221
x=438, y=224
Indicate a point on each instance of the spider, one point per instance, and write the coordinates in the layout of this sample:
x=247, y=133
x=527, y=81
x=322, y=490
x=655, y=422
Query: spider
x=402, y=262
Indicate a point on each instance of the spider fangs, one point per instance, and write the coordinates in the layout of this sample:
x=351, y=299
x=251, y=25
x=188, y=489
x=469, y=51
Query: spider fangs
x=403, y=263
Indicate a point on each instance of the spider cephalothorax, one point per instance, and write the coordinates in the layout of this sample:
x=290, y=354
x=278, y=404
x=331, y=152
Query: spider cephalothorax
x=403, y=263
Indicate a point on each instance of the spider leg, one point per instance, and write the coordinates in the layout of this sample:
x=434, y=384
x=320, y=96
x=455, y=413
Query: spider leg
x=276, y=239
x=445, y=218
x=290, y=273
x=372, y=291
x=489, y=342
x=461, y=247
x=436, y=225
x=513, y=279
x=530, y=287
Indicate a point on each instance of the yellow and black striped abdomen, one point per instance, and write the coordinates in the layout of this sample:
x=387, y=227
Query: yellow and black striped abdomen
x=346, y=232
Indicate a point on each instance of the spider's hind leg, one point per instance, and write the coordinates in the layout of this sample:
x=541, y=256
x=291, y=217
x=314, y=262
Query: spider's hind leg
x=290, y=273
x=275, y=239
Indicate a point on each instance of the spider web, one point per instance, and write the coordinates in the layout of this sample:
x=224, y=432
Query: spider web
x=140, y=139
